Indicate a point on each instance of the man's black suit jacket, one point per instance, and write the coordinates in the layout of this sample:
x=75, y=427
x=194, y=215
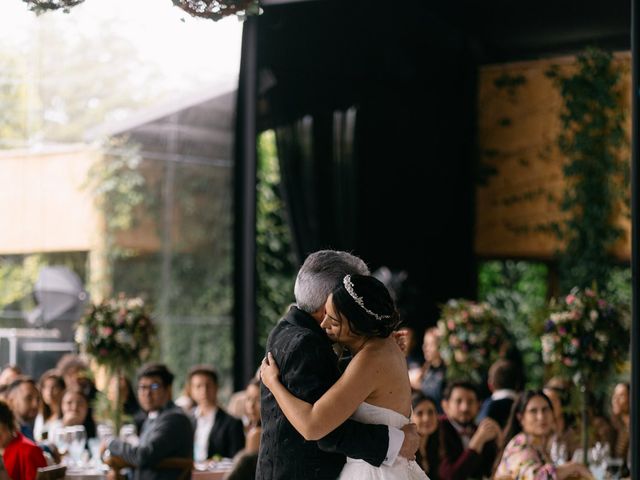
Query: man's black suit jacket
x=226, y=437
x=499, y=410
x=308, y=368
x=169, y=435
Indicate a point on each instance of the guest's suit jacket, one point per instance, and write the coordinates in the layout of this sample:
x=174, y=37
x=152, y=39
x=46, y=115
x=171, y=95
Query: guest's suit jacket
x=170, y=434
x=308, y=368
x=459, y=463
x=226, y=437
x=499, y=410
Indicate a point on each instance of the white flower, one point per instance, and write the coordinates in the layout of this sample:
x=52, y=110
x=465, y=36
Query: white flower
x=81, y=335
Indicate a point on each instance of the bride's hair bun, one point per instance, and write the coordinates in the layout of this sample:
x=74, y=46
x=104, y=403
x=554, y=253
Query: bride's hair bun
x=367, y=305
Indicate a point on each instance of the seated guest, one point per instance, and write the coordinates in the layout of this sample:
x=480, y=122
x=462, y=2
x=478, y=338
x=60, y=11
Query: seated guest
x=413, y=350
x=425, y=416
x=565, y=432
x=166, y=431
x=620, y=417
x=245, y=462
x=51, y=387
x=467, y=450
x=9, y=373
x=184, y=400
x=216, y=432
x=430, y=377
x=253, y=427
x=128, y=402
x=76, y=411
x=76, y=373
x=21, y=457
x=502, y=381
x=24, y=399
x=525, y=454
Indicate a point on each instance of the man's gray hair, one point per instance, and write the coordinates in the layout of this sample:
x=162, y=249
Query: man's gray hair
x=319, y=275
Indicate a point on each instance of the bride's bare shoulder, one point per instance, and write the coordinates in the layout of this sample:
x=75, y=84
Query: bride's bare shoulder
x=379, y=350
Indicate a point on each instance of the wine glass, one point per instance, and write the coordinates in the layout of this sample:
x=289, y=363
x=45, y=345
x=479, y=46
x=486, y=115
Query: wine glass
x=77, y=443
x=598, y=455
x=558, y=452
x=104, y=432
x=128, y=434
x=60, y=439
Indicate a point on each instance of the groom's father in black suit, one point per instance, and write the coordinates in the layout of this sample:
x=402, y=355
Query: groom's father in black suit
x=165, y=433
x=308, y=368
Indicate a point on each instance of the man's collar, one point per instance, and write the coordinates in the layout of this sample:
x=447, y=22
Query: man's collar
x=504, y=393
x=155, y=413
x=463, y=429
x=197, y=412
x=298, y=317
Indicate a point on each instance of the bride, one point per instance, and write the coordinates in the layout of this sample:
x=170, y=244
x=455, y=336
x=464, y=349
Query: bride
x=374, y=388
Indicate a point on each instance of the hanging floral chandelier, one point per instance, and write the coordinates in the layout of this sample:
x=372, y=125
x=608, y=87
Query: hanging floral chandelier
x=40, y=6
x=217, y=9
x=210, y=9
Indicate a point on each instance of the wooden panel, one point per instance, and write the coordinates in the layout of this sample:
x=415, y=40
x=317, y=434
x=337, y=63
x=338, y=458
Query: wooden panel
x=518, y=125
x=44, y=206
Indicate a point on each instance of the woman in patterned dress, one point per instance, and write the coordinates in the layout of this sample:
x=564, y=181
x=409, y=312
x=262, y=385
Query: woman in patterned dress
x=525, y=456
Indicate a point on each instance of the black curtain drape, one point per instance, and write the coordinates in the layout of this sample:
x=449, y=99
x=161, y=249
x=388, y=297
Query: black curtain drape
x=317, y=166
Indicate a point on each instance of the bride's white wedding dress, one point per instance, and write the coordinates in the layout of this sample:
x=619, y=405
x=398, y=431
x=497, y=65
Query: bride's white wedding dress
x=402, y=469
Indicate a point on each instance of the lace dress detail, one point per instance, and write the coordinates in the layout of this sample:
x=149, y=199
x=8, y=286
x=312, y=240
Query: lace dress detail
x=402, y=469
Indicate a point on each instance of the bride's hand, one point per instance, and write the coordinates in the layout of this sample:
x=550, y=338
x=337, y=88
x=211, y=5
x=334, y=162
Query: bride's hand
x=269, y=371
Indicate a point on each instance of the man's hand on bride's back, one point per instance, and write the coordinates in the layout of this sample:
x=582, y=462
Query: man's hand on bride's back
x=411, y=441
x=402, y=339
x=269, y=371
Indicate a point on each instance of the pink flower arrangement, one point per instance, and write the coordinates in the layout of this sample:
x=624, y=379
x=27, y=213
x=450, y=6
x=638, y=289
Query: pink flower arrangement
x=585, y=337
x=117, y=332
x=471, y=338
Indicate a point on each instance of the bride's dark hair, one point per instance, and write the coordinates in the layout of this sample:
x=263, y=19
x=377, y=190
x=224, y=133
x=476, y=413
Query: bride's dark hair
x=367, y=305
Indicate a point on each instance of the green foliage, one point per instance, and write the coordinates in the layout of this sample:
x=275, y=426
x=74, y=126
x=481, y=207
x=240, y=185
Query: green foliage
x=119, y=188
x=275, y=261
x=517, y=290
x=596, y=173
x=187, y=280
x=619, y=286
x=17, y=277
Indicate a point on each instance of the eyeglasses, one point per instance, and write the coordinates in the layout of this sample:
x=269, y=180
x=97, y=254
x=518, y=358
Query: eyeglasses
x=152, y=387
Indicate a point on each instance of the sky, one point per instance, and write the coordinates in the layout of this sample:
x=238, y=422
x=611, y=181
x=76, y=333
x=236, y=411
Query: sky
x=179, y=56
x=179, y=44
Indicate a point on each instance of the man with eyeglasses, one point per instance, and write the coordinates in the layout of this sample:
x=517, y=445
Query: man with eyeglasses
x=165, y=433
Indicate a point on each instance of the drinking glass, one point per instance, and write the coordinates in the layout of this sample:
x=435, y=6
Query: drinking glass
x=128, y=434
x=94, y=450
x=61, y=440
x=104, y=432
x=598, y=455
x=77, y=444
x=558, y=452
